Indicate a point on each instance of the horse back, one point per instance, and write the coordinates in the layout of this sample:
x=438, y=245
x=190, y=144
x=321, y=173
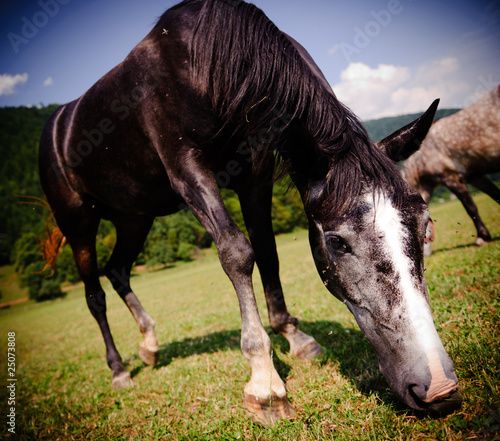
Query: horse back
x=118, y=141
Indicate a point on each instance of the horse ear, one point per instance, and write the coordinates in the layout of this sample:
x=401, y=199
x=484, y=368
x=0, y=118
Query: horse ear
x=406, y=141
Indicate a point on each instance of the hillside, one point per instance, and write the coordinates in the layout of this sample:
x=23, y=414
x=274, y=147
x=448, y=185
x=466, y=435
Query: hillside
x=380, y=128
x=20, y=130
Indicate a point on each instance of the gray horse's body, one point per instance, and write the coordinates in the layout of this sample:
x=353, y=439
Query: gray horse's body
x=461, y=149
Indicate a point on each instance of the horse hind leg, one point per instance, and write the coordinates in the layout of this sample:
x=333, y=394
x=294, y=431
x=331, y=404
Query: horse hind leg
x=486, y=186
x=131, y=236
x=80, y=229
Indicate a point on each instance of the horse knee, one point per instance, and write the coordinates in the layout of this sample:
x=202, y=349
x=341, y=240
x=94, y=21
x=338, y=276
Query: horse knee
x=236, y=254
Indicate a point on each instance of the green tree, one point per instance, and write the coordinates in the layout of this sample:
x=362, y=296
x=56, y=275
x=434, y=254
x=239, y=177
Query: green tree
x=40, y=287
x=185, y=251
x=50, y=289
x=66, y=267
x=103, y=255
x=20, y=130
x=159, y=253
x=25, y=252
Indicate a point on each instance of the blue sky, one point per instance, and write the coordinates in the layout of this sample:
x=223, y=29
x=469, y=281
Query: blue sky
x=382, y=57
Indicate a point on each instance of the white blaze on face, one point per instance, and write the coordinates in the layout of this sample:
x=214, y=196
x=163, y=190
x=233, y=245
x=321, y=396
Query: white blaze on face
x=393, y=234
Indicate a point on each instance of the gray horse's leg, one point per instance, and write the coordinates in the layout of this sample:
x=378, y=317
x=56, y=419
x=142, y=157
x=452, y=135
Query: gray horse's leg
x=131, y=235
x=256, y=207
x=486, y=186
x=457, y=185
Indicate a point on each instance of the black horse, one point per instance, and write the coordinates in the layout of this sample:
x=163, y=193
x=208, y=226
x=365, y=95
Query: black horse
x=216, y=96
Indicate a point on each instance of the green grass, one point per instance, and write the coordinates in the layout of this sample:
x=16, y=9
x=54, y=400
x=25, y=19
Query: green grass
x=64, y=385
x=9, y=285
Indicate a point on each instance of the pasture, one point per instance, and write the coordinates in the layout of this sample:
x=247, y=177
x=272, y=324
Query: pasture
x=63, y=388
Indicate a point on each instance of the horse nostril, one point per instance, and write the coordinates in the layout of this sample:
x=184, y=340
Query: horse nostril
x=418, y=394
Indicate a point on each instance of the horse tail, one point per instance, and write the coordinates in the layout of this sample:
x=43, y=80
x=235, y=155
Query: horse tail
x=53, y=241
x=51, y=245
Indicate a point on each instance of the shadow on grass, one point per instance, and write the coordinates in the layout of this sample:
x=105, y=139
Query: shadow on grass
x=353, y=354
x=207, y=344
x=347, y=348
x=211, y=343
x=463, y=246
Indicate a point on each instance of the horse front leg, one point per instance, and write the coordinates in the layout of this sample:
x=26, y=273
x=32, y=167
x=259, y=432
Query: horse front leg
x=256, y=208
x=265, y=394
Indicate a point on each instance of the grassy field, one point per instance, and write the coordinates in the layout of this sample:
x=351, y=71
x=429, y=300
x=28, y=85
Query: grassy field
x=63, y=388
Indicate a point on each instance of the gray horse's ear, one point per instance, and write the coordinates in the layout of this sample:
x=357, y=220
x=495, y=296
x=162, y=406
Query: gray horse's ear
x=406, y=141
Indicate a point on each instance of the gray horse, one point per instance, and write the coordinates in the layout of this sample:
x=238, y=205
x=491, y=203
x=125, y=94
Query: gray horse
x=461, y=149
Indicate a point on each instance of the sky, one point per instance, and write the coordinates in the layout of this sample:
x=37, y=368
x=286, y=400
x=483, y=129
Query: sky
x=381, y=57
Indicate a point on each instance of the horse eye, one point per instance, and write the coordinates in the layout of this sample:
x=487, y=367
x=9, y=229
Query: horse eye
x=336, y=243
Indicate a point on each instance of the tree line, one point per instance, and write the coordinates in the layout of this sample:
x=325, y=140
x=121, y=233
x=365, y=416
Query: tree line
x=22, y=224
x=176, y=237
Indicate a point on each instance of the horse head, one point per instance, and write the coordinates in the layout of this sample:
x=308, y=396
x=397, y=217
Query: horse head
x=371, y=258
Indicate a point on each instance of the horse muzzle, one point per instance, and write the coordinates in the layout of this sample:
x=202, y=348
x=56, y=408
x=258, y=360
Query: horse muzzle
x=430, y=385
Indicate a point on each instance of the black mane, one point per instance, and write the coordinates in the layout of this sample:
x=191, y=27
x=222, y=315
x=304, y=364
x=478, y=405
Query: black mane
x=253, y=72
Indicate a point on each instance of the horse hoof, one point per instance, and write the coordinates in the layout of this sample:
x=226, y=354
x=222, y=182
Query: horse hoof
x=265, y=411
x=122, y=380
x=309, y=352
x=147, y=356
x=480, y=242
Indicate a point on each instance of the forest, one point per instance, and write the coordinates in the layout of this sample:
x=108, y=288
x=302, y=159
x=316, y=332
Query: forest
x=172, y=238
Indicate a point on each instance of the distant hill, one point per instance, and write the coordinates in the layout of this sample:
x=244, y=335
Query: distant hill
x=380, y=128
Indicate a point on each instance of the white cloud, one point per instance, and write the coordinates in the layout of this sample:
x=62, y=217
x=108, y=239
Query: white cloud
x=367, y=90
x=389, y=90
x=9, y=82
x=434, y=69
x=48, y=82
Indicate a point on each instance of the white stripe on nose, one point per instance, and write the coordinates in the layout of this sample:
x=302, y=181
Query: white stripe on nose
x=414, y=305
x=390, y=229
